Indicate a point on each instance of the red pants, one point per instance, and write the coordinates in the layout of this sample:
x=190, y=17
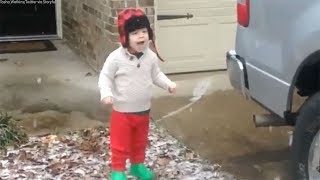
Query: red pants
x=128, y=138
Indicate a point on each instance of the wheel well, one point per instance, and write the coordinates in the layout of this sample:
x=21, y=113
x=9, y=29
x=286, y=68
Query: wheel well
x=306, y=81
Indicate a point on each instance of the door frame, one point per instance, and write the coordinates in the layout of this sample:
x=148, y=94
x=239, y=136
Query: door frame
x=59, y=34
x=59, y=18
x=155, y=20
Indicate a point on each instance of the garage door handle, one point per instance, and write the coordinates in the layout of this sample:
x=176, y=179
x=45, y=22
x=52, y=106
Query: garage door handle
x=167, y=17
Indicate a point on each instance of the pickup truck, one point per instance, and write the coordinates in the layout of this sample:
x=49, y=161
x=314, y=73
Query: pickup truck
x=277, y=57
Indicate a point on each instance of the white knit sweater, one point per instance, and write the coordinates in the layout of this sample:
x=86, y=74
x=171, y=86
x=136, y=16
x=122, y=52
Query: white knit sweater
x=129, y=80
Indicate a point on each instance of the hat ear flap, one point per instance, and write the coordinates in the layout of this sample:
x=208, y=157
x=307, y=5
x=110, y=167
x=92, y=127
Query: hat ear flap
x=123, y=16
x=150, y=33
x=126, y=42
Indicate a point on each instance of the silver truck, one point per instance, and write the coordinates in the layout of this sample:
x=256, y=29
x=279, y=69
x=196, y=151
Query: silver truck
x=277, y=57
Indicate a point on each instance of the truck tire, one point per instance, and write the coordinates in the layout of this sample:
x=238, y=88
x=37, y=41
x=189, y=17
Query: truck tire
x=306, y=141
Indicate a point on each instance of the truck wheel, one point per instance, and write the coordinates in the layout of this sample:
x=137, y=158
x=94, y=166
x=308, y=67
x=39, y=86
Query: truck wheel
x=306, y=141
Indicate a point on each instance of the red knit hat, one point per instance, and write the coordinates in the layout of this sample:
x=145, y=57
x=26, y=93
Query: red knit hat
x=130, y=20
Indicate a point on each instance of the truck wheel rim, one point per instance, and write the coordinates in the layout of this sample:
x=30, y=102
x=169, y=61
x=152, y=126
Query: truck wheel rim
x=314, y=158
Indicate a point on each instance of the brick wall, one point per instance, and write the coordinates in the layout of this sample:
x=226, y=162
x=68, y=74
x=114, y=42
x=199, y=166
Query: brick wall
x=89, y=26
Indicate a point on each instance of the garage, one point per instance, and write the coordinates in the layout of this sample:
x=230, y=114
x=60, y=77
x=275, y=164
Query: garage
x=193, y=35
x=25, y=20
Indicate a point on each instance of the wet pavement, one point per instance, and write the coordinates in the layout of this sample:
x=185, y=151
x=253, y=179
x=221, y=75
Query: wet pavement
x=220, y=128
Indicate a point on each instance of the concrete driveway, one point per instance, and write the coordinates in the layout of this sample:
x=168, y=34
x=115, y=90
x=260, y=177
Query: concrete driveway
x=219, y=125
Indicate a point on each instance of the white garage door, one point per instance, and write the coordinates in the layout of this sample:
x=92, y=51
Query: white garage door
x=196, y=43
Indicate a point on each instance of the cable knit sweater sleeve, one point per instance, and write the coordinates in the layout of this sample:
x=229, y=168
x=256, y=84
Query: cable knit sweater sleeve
x=106, y=77
x=158, y=77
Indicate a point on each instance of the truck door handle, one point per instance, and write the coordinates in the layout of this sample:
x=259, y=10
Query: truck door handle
x=167, y=17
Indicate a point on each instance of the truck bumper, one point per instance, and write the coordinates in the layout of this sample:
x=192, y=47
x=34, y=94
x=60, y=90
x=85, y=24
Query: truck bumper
x=237, y=72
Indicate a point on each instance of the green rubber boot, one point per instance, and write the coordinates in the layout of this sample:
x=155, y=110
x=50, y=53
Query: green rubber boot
x=141, y=171
x=118, y=175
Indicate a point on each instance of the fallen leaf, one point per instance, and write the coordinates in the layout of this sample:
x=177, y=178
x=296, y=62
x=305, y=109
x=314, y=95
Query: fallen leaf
x=80, y=171
x=18, y=63
x=88, y=74
x=56, y=167
x=163, y=161
x=3, y=59
x=22, y=155
x=49, y=139
x=89, y=146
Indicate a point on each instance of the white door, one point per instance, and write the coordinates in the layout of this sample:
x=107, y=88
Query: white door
x=59, y=18
x=198, y=43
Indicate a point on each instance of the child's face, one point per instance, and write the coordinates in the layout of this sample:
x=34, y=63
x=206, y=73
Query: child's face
x=138, y=40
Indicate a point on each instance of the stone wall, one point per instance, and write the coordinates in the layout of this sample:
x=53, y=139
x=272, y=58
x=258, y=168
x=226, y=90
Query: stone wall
x=89, y=26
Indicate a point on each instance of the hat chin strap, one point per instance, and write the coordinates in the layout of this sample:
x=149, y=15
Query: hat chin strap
x=154, y=49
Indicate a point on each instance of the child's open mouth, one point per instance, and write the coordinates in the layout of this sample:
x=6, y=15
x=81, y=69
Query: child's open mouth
x=141, y=43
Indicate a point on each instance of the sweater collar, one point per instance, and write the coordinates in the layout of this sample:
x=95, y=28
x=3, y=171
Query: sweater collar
x=130, y=55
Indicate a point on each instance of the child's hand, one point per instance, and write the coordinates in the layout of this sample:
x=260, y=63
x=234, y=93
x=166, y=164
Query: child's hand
x=107, y=100
x=172, y=88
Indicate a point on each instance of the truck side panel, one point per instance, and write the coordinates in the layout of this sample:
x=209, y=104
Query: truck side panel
x=305, y=40
x=264, y=45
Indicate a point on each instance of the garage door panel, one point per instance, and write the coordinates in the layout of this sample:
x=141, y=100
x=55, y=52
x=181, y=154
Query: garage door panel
x=213, y=12
x=178, y=67
x=198, y=43
x=190, y=44
x=188, y=4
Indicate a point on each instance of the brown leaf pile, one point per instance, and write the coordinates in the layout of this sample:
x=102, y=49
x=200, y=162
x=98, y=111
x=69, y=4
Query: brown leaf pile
x=85, y=155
